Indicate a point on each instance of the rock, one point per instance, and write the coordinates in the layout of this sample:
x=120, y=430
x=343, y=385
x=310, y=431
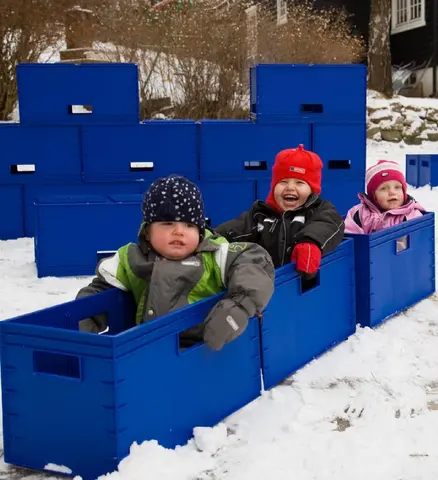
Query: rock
x=372, y=130
x=396, y=107
x=432, y=136
x=432, y=115
x=412, y=140
x=391, y=135
x=381, y=114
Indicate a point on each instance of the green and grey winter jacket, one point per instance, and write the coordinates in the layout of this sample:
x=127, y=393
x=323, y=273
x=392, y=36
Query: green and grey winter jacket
x=160, y=286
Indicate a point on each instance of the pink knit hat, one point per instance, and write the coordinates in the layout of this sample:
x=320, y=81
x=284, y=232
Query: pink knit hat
x=383, y=171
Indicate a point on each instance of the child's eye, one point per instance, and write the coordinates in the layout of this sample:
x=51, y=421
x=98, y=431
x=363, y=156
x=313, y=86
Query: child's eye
x=167, y=224
x=190, y=225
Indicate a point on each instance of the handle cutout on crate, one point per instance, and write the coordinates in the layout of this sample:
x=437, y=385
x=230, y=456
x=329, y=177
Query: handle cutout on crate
x=22, y=169
x=312, y=108
x=412, y=162
x=141, y=166
x=256, y=165
x=308, y=284
x=101, y=254
x=56, y=364
x=425, y=163
x=208, y=221
x=402, y=244
x=186, y=344
x=339, y=164
x=80, y=109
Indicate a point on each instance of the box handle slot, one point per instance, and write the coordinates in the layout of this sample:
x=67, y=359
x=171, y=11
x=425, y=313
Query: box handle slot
x=56, y=364
x=141, y=166
x=309, y=284
x=22, y=169
x=256, y=165
x=339, y=164
x=80, y=109
x=412, y=162
x=101, y=254
x=424, y=163
x=402, y=244
x=312, y=108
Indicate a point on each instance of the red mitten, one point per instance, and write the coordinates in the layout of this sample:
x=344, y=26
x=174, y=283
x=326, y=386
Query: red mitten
x=308, y=258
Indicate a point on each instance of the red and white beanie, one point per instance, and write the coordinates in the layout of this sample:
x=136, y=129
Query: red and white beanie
x=383, y=171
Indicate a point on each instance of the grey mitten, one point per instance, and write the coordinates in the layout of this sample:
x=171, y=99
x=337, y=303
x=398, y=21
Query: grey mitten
x=225, y=322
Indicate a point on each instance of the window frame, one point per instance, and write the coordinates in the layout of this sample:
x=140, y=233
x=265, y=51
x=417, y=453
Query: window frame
x=410, y=24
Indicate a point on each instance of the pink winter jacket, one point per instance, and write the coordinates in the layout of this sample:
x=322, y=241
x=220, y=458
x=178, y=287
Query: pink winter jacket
x=367, y=218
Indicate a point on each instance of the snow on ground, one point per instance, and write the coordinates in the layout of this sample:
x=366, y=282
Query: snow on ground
x=365, y=410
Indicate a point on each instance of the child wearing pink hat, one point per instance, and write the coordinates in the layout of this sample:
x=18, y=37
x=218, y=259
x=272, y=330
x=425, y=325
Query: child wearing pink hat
x=386, y=202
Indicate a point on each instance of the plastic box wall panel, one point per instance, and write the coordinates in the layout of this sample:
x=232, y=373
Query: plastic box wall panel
x=343, y=160
x=227, y=199
x=297, y=327
x=71, y=230
x=309, y=92
x=389, y=282
x=37, y=154
x=243, y=149
x=33, y=192
x=131, y=402
x=12, y=216
x=110, y=89
x=140, y=152
x=343, y=194
x=412, y=170
x=427, y=170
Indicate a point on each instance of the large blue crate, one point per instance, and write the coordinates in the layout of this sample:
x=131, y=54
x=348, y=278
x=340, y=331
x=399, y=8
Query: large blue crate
x=342, y=148
x=422, y=170
x=12, y=212
x=244, y=150
x=80, y=400
x=299, y=325
x=33, y=192
x=56, y=94
x=71, y=230
x=395, y=268
x=138, y=152
x=36, y=154
x=311, y=93
x=226, y=199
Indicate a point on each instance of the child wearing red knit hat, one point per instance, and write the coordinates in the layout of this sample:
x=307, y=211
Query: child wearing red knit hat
x=386, y=202
x=295, y=223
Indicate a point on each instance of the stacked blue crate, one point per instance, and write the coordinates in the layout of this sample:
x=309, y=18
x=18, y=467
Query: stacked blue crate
x=331, y=101
x=236, y=157
x=43, y=154
x=422, y=170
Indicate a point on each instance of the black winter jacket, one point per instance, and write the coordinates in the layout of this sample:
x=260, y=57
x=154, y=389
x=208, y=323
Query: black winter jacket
x=317, y=221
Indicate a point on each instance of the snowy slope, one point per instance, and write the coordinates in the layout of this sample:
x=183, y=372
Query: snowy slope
x=364, y=411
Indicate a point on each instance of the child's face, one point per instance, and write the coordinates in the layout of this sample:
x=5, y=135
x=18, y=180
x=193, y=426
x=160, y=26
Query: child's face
x=173, y=240
x=291, y=193
x=389, y=195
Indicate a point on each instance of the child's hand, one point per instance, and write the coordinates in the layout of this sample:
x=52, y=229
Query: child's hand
x=308, y=258
x=225, y=322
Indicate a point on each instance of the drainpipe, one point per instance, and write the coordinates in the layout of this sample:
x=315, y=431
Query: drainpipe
x=435, y=47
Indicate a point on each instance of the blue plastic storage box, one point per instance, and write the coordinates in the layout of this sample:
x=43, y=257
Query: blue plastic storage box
x=310, y=93
x=84, y=94
x=395, y=269
x=299, y=325
x=70, y=230
x=80, y=400
x=422, y=170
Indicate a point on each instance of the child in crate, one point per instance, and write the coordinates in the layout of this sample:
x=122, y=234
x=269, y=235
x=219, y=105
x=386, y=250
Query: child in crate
x=178, y=262
x=295, y=223
x=386, y=202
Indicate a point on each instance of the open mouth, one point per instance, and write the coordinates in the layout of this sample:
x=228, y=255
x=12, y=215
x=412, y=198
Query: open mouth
x=290, y=198
x=177, y=243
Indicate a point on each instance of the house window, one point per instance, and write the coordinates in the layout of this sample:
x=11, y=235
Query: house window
x=407, y=14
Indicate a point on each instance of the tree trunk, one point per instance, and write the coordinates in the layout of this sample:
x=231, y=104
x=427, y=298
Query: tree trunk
x=379, y=50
